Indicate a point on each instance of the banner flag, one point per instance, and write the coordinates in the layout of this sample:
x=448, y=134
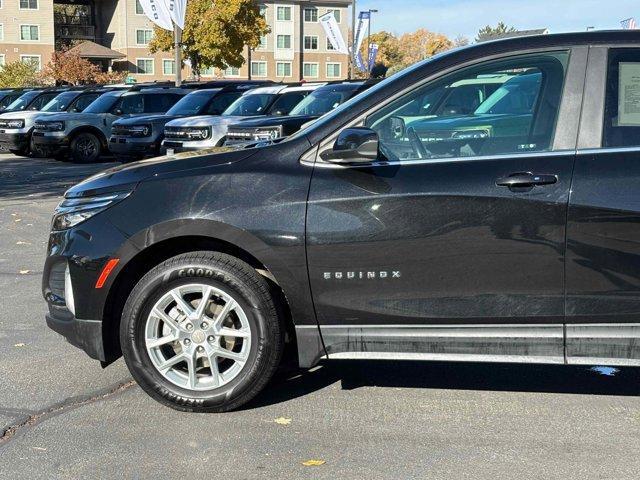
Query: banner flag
x=158, y=12
x=178, y=10
x=373, y=53
x=361, y=32
x=331, y=28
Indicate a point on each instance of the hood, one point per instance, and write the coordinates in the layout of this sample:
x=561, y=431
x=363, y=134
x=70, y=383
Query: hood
x=127, y=176
x=205, y=121
x=78, y=117
x=158, y=118
x=275, y=120
x=23, y=114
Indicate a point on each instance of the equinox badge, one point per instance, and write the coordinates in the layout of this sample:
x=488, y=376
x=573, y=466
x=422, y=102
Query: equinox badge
x=362, y=275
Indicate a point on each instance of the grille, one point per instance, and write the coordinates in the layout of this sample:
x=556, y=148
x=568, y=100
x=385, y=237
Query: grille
x=178, y=133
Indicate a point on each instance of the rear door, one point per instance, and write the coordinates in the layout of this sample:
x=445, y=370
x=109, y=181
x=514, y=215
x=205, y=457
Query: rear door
x=603, y=230
x=455, y=237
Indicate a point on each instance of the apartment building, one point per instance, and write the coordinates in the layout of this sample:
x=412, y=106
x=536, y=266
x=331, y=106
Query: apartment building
x=297, y=47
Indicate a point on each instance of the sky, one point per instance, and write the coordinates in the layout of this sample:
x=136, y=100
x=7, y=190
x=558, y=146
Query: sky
x=466, y=17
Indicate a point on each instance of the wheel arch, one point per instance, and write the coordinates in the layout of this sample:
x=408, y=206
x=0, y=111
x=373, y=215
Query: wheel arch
x=89, y=129
x=165, y=247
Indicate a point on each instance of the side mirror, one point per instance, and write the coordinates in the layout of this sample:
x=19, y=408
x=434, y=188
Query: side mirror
x=353, y=145
x=117, y=111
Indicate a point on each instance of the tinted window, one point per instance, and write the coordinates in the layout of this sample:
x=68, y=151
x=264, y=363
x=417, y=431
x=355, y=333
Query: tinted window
x=622, y=103
x=41, y=101
x=286, y=102
x=104, y=103
x=7, y=100
x=322, y=101
x=221, y=102
x=21, y=102
x=192, y=104
x=83, y=101
x=159, y=102
x=251, y=104
x=129, y=105
x=506, y=106
x=60, y=103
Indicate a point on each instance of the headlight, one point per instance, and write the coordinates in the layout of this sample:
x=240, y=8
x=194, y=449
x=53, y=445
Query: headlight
x=73, y=211
x=50, y=126
x=470, y=134
x=198, y=133
x=268, y=133
x=14, y=123
x=140, y=130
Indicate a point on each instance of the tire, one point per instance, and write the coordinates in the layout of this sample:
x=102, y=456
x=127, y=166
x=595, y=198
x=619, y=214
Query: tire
x=21, y=152
x=152, y=306
x=85, y=148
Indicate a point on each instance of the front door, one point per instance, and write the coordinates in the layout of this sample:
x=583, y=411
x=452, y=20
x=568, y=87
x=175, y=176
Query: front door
x=455, y=237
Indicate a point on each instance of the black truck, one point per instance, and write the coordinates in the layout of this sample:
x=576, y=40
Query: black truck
x=384, y=230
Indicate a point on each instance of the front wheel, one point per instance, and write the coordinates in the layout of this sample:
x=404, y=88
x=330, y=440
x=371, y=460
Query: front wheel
x=85, y=148
x=200, y=332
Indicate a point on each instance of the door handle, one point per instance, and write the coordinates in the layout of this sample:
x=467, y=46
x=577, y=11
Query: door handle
x=526, y=179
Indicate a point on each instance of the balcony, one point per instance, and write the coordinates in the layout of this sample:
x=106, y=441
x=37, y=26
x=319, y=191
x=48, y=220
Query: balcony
x=74, y=27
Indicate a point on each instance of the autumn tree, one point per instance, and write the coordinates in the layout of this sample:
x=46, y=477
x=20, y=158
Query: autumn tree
x=68, y=67
x=19, y=74
x=488, y=31
x=215, y=33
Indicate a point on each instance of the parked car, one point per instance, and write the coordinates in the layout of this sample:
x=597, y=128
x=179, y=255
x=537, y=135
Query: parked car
x=84, y=135
x=316, y=104
x=14, y=134
x=362, y=236
x=195, y=133
x=75, y=100
x=8, y=96
x=134, y=138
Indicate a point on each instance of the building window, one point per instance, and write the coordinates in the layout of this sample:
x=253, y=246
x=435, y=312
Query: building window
x=32, y=59
x=139, y=10
x=28, y=4
x=284, y=13
x=334, y=70
x=310, y=70
x=231, y=72
x=310, y=14
x=336, y=13
x=329, y=45
x=207, y=72
x=258, y=69
x=263, y=10
x=283, y=69
x=310, y=42
x=29, y=32
x=143, y=37
x=169, y=67
x=263, y=42
x=144, y=66
x=1, y=31
x=284, y=41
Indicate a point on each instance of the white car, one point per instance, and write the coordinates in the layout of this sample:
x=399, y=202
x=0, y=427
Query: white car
x=195, y=133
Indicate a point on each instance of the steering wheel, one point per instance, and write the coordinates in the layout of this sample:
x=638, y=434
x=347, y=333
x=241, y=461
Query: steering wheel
x=416, y=143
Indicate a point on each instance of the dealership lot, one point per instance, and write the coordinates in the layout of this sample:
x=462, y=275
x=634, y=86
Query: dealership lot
x=65, y=417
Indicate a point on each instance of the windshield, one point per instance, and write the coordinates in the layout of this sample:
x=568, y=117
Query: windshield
x=60, y=103
x=103, y=103
x=21, y=102
x=192, y=104
x=517, y=96
x=249, y=105
x=322, y=101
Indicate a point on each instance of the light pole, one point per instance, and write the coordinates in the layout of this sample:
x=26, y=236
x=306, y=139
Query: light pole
x=373, y=10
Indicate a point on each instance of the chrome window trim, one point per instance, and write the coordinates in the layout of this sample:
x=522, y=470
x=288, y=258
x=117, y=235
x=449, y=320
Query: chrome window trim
x=596, y=150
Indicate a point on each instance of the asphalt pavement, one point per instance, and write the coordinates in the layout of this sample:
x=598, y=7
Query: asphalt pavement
x=63, y=416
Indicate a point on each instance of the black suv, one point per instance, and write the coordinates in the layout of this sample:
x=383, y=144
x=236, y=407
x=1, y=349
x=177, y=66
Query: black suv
x=317, y=103
x=510, y=236
x=134, y=138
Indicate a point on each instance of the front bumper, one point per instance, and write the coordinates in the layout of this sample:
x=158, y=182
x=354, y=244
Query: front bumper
x=14, y=140
x=132, y=146
x=50, y=142
x=190, y=146
x=84, y=334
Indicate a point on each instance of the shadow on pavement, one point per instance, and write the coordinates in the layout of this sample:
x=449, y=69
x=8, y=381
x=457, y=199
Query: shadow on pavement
x=22, y=177
x=290, y=384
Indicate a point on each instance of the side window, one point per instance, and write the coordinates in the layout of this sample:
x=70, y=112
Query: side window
x=83, y=101
x=130, y=104
x=159, y=103
x=499, y=107
x=42, y=100
x=220, y=102
x=622, y=102
x=286, y=102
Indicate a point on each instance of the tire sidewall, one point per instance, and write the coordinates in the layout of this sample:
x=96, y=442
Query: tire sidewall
x=149, y=290
x=76, y=156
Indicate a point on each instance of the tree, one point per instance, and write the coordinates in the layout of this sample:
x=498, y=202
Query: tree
x=215, y=33
x=460, y=41
x=68, y=67
x=488, y=31
x=389, y=54
x=19, y=74
x=422, y=44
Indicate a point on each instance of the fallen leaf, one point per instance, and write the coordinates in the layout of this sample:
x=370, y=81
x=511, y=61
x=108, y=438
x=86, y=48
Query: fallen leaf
x=20, y=345
x=18, y=220
x=282, y=421
x=22, y=243
x=313, y=463
x=24, y=272
x=14, y=214
x=39, y=448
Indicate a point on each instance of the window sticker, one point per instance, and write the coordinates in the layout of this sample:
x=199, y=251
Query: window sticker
x=629, y=94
